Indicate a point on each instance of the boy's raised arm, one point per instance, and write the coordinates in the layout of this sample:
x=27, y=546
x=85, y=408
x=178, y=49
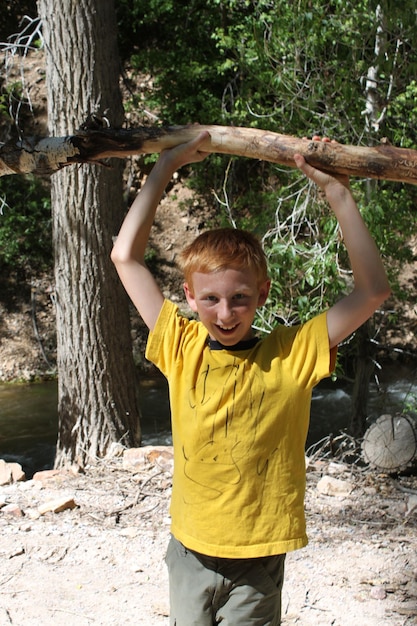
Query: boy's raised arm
x=371, y=285
x=128, y=252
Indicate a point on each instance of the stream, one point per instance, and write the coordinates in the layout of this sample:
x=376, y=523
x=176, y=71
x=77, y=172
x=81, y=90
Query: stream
x=28, y=413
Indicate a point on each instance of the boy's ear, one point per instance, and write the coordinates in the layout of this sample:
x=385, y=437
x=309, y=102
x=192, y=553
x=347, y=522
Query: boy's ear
x=190, y=297
x=263, y=292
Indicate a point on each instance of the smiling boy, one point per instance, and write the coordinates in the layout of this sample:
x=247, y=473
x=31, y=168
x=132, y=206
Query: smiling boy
x=239, y=404
x=226, y=280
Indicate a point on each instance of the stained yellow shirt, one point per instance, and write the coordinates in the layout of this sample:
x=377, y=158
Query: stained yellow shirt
x=239, y=427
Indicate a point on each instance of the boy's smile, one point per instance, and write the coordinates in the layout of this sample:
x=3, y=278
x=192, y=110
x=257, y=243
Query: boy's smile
x=226, y=302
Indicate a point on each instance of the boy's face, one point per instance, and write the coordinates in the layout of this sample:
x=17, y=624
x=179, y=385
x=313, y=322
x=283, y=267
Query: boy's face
x=226, y=302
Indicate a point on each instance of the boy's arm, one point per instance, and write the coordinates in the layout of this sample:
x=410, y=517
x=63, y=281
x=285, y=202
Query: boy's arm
x=128, y=252
x=371, y=286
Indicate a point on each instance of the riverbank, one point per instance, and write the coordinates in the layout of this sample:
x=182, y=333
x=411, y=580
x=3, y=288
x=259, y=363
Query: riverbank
x=29, y=415
x=102, y=561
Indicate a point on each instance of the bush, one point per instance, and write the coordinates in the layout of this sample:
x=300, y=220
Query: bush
x=25, y=225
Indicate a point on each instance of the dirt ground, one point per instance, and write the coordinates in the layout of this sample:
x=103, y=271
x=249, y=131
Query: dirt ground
x=102, y=562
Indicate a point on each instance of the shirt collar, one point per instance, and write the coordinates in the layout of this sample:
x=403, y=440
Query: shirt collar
x=247, y=344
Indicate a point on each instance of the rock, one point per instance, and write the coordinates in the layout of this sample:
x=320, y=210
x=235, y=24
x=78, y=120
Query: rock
x=10, y=473
x=330, y=486
x=336, y=468
x=31, y=485
x=378, y=593
x=12, y=509
x=411, y=504
x=139, y=458
x=57, y=506
x=18, y=550
x=162, y=456
x=46, y=474
x=57, y=474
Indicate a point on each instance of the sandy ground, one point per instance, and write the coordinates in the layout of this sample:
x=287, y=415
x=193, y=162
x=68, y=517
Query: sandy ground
x=102, y=562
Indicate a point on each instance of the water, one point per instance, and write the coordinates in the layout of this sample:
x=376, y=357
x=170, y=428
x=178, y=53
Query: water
x=28, y=424
x=331, y=407
x=28, y=421
x=28, y=414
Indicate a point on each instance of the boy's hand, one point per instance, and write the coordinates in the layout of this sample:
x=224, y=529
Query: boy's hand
x=324, y=180
x=185, y=153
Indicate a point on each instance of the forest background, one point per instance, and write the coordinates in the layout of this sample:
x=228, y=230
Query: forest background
x=340, y=69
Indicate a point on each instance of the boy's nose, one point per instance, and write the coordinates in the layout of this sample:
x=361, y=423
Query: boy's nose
x=225, y=312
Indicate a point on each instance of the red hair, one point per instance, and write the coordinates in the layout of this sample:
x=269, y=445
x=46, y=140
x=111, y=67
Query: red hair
x=223, y=248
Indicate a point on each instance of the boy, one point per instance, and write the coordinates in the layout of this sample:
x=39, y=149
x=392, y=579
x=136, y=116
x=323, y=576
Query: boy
x=239, y=405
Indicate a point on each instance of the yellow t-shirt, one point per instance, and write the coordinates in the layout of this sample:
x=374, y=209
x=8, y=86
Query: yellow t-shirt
x=239, y=426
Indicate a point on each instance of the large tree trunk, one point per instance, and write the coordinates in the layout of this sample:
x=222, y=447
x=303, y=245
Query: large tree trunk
x=97, y=402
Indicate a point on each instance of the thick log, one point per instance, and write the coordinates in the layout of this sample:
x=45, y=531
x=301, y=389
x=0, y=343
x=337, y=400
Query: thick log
x=390, y=444
x=47, y=155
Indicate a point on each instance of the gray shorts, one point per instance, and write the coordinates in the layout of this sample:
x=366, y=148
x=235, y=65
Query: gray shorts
x=205, y=591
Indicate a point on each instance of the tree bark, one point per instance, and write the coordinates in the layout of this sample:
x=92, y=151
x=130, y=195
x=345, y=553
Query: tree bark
x=97, y=402
x=48, y=155
x=364, y=368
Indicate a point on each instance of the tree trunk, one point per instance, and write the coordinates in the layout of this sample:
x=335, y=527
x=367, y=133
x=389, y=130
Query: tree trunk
x=97, y=402
x=373, y=114
x=364, y=367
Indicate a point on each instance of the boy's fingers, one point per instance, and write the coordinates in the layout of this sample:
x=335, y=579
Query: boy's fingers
x=202, y=137
x=300, y=161
x=193, y=143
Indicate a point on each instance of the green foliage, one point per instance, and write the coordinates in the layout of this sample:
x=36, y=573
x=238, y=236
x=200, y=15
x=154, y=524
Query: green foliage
x=305, y=259
x=294, y=69
x=25, y=225
x=11, y=97
x=390, y=215
x=267, y=63
x=297, y=71
x=402, y=117
x=186, y=79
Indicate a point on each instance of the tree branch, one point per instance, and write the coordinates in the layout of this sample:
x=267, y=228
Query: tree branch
x=47, y=155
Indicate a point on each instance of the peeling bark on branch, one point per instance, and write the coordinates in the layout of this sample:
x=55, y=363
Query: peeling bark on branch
x=50, y=154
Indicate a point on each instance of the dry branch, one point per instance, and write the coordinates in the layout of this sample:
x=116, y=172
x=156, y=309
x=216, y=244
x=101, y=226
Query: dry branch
x=50, y=154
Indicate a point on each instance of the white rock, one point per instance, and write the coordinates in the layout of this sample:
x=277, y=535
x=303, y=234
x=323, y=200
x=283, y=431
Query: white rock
x=330, y=486
x=57, y=506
